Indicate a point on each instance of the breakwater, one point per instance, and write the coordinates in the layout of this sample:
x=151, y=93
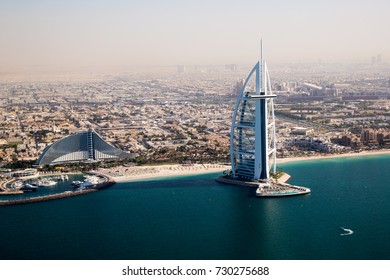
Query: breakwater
x=7, y=192
x=231, y=181
x=109, y=182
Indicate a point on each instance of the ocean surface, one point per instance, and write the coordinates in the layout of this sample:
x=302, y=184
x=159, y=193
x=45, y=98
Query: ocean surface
x=194, y=217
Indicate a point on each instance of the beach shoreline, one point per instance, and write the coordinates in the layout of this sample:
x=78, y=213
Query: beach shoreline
x=137, y=173
x=346, y=155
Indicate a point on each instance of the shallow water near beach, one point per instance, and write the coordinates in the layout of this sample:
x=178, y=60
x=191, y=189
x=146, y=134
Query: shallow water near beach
x=194, y=217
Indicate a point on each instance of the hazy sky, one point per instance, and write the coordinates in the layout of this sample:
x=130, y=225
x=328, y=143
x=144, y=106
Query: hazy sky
x=170, y=32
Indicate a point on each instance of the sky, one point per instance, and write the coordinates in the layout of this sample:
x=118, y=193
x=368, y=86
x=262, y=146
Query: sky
x=99, y=33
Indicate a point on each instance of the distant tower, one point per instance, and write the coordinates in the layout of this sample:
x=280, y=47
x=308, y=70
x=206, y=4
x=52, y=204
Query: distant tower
x=252, y=137
x=238, y=87
x=37, y=140
x=231, y=67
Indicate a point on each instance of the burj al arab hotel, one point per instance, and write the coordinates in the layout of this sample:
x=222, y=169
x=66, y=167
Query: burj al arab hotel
x=252, y=137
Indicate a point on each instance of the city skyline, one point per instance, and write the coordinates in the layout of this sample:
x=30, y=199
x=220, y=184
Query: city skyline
x=57, y=34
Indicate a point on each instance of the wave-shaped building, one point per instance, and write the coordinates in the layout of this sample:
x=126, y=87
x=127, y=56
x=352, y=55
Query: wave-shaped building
x=83, y=146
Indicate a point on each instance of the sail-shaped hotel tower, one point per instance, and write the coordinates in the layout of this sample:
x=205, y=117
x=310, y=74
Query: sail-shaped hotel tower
x=252, y=137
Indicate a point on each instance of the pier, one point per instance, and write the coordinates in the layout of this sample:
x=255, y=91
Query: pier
x=6, y=191
x=11, y=192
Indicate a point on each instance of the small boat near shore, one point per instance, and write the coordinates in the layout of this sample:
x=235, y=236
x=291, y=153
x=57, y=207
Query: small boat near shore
x=272, y=189
x=63, y=178
x=76, y=183
x=17, y=184
x=26, y=187
x=90, y=181
x=45, y=182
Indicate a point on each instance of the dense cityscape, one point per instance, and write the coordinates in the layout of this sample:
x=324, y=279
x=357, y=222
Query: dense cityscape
x=194, y=139
x=183, y=114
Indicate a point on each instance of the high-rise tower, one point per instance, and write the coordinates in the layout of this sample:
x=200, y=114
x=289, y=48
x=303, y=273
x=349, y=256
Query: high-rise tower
x=252, y=138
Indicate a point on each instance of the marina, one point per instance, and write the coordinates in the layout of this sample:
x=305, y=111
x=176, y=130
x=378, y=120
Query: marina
x=29, y=191
x=34, y=183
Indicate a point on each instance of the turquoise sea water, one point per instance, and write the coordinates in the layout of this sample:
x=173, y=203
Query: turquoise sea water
x=195, y=217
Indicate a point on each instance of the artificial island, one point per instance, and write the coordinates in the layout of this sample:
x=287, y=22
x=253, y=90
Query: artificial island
x=253, y=140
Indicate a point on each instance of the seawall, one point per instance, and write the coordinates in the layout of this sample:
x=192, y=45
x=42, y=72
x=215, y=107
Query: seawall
x=251, y=184
x=231, y=181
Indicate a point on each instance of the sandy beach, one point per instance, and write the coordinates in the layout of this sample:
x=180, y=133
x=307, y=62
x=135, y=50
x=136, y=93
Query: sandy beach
x=361, y=154
x=134, y=173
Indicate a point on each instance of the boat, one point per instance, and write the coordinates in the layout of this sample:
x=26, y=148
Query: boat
x=63, y=178
x=91, y=178
x=76, y=183
x=272, y=189
x=86, y=184
x=347, y=231
x=17, y=184
x=46, y=183
x=26, y=187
